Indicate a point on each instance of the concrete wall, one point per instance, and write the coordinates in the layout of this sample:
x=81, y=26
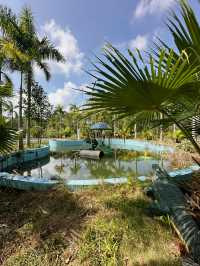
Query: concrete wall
x=67, y=145
x=21, y=157
x=137, y=145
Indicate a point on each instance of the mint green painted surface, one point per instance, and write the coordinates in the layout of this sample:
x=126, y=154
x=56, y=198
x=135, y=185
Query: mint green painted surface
x=129, y=144
x=22, y=157
x=26, y=182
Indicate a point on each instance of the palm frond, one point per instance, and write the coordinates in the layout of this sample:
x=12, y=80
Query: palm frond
x=48, y=51
x=6, y=88
x=8, y=137
x=26, y=21
x=45, y=68
x=125, y=87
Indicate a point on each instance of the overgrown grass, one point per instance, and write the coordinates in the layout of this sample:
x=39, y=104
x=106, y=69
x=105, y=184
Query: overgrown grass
x=98, y=226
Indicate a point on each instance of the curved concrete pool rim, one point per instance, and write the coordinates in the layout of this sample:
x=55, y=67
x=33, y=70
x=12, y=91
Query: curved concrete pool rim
x=115, y=143
x=137, y=145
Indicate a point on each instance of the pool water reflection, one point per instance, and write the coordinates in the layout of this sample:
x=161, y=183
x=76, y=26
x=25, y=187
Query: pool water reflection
x=121, y=164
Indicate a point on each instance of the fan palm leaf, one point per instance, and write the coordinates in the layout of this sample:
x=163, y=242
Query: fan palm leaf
x=144, y=90
x=134, y=86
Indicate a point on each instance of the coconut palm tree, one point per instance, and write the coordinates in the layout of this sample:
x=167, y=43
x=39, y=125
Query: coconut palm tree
x=76, y=116
x=10, y=108
x=23, y=34
x=38, y=50
x=59, y=113
x=11, y=42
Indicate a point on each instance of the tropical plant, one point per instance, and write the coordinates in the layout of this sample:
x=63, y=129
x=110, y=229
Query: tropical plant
x=37, y=132
x=143, y=91
x=41, y=109
x=10, y=109
x=22, y=33
x=7, y=137
x=5, y=89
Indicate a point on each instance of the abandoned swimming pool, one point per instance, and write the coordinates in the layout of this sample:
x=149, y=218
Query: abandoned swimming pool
x=66, y=166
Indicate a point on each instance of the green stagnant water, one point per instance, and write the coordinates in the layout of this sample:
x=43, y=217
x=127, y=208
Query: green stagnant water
x=68, y=166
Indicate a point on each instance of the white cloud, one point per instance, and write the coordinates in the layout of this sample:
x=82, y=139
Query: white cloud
x=67, y=95
x=140, y=42
x=150, y=7
x=67, y=44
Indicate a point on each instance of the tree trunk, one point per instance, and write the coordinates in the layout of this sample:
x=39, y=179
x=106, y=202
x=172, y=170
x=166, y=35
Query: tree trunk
x=174, y=128
x=20, y=118
x=77, y=131
x=12, y=118
x=161, y=128
x=135, y=131
x=28, y=134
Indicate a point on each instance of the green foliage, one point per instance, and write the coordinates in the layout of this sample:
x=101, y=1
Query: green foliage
x=67, y=132
x=52, y=133
x=178, y=135
x=22, y=34
x=102, y=243
x=147, y=134
x=37, y=131
x=8, y=137
x=121, y=232
x=41, y=109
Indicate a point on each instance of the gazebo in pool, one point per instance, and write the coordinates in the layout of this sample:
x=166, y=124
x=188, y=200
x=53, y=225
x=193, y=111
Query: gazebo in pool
x=100, y=126
x=98, y=129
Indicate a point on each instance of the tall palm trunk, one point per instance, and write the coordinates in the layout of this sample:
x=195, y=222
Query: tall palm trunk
x=135, y=131
x=20, y=118
x=161, y=128
x=12, y=118
x=29, y=84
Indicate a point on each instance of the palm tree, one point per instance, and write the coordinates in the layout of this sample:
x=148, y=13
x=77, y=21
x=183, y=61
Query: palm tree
x=74, y=110
x=5, y=89
x=143, y=91
x=38, y=50
x=11, y=44
x=7, y=135
x=10, y=108
x=59, y=112
x=23, y=34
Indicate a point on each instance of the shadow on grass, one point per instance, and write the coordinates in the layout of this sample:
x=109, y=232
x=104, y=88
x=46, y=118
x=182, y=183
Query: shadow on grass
x=132, y=209
x=171, y=262
x=45, y=218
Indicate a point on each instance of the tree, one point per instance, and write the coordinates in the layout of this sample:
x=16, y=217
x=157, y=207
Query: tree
x=59, y=114
x=10, y=108
x=37, y=132
x=12, y=45
x=75, y=113
x=24, y=36
x=41, y=109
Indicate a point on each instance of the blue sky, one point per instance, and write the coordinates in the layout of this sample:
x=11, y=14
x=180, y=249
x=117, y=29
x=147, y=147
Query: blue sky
x=80, y=28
